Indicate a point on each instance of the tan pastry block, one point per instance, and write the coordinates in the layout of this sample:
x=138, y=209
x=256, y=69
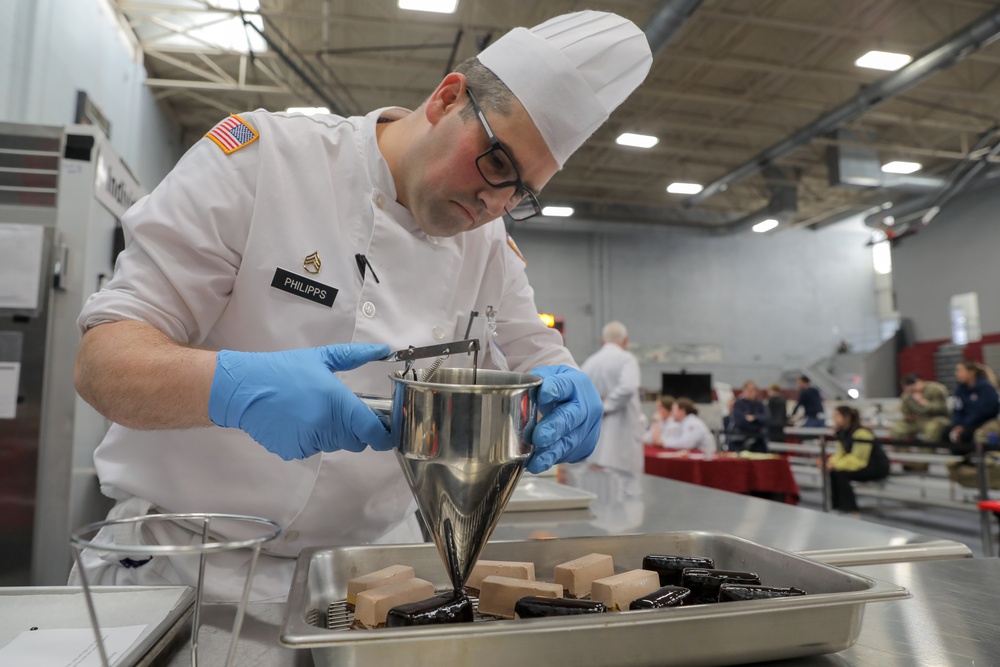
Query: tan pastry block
x=618, y=591
x=384, y=577
x=499, y=594
x=500, y=568
x=373, y=605
x=577, y=575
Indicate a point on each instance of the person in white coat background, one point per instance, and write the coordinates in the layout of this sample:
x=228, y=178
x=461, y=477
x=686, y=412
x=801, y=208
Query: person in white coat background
x=285, y=254
x=615, y=372
x=693, y=433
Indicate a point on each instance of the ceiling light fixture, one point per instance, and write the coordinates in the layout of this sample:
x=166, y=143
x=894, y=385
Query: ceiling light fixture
x=307, y=111
x=684, y=188
x=765, y=225
x=637, y=140
x=883, y=60
x=901, y=167
x=437, y=6
x=557, y=211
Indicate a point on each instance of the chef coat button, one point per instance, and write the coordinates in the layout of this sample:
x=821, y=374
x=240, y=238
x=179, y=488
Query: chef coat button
x=291, y=536
x=368, y=309
x=438, y=332
x=379, y=200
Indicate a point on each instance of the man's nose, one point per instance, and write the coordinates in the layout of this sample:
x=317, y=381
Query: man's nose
x=495, y=200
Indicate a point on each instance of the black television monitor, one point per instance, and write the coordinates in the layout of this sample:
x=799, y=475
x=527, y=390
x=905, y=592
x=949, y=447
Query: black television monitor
x=696, y=386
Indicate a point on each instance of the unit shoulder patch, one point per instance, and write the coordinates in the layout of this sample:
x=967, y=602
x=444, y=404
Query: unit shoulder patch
x=232, y=134
x=513, y=246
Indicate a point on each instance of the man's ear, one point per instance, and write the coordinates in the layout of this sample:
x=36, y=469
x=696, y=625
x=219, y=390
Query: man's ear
x=449, y=96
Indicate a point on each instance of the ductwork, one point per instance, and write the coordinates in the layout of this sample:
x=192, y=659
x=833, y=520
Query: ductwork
x=667, y=21
x=942, y=56
x=968, y=172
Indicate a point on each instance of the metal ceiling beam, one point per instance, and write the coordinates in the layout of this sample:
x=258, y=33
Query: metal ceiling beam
x=217, y=86
x=207, y=75
x=952, y=50
x=743, y=17
x=734, y=99
x=853, y=78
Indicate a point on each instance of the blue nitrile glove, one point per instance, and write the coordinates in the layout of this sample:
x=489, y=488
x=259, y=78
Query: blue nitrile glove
x=571, y=418
x=291, y=402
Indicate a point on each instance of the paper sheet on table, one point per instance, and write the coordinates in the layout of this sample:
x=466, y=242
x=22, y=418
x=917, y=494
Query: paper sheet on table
x=10, y=373
x=20, y=265
x=68, y=648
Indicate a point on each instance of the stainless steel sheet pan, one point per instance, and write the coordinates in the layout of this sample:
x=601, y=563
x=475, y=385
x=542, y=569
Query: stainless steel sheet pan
x=825, y=621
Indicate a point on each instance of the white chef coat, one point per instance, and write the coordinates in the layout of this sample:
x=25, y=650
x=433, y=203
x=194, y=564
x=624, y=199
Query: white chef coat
x=668, y=428
x=202, y=250
x=693, y=434
x=615, y=373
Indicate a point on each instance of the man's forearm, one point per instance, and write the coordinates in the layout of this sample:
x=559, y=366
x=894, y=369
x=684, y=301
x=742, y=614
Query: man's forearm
x=136, y=376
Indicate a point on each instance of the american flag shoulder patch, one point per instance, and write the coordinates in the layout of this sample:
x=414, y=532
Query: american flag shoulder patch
x=513, y=246
x=233, y=134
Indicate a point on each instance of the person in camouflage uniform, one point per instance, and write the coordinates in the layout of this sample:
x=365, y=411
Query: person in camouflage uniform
x=925, y=411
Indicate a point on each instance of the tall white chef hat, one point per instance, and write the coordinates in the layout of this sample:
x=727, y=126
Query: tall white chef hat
x=571, y=72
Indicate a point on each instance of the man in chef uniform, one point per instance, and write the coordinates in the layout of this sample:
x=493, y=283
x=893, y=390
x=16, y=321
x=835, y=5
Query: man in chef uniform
x=279, y=233
x=616, y=375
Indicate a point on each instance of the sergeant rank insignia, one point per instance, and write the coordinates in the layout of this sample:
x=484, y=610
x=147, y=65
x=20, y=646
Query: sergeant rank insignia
x=312, y=264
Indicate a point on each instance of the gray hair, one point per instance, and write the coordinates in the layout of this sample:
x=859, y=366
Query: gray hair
x=614, y=332
x=491, y=93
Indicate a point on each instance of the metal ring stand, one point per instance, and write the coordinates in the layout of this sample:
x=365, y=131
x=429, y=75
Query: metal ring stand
x=79, y=541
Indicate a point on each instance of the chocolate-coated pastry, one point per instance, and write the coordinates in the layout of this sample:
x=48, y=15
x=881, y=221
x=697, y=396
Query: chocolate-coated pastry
x=450, y=607
x=705, y=584
x=670, y=567
x=737, y=592
x=668, y=596
x=532, y=606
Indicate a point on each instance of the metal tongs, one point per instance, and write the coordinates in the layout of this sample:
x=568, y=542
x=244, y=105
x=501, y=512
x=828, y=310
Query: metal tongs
x=442, y=351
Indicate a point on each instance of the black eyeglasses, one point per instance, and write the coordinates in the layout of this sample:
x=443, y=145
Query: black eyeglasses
x=497, y=168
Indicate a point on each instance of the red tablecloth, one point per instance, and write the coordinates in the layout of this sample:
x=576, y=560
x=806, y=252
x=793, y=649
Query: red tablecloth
x=727, y=472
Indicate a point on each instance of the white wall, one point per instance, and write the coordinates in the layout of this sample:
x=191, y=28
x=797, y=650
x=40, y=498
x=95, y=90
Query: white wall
x=956, y=253
x=49, y=49
x=771, y=302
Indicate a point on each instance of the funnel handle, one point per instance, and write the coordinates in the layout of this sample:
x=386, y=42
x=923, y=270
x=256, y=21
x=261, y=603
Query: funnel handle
x=380, y=405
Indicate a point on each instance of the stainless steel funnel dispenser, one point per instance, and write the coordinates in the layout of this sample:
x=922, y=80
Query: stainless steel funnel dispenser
x=462, y=444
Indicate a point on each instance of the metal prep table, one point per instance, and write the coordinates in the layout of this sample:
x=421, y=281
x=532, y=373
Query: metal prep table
x=910, y=632
x=649, y=504
x=948, y=622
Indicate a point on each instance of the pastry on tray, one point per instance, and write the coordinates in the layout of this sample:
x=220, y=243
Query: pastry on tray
x=618, y=591
x=499, y=594
x=501, y=568
x=670, y=567
x=577, y=576
x=373, y=605
x=536, y=607
x=383, y=577
x=448, y=607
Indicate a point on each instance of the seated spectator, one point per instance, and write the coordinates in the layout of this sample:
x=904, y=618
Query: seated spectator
x=662, y=422
x=811, y=403
x=859, y=458
x=750, y=421
x=777, y=406
x=925, y=411
x=692, y=433
x=976, y=406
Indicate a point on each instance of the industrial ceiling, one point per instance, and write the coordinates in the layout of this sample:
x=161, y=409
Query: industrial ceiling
x=753, y=99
